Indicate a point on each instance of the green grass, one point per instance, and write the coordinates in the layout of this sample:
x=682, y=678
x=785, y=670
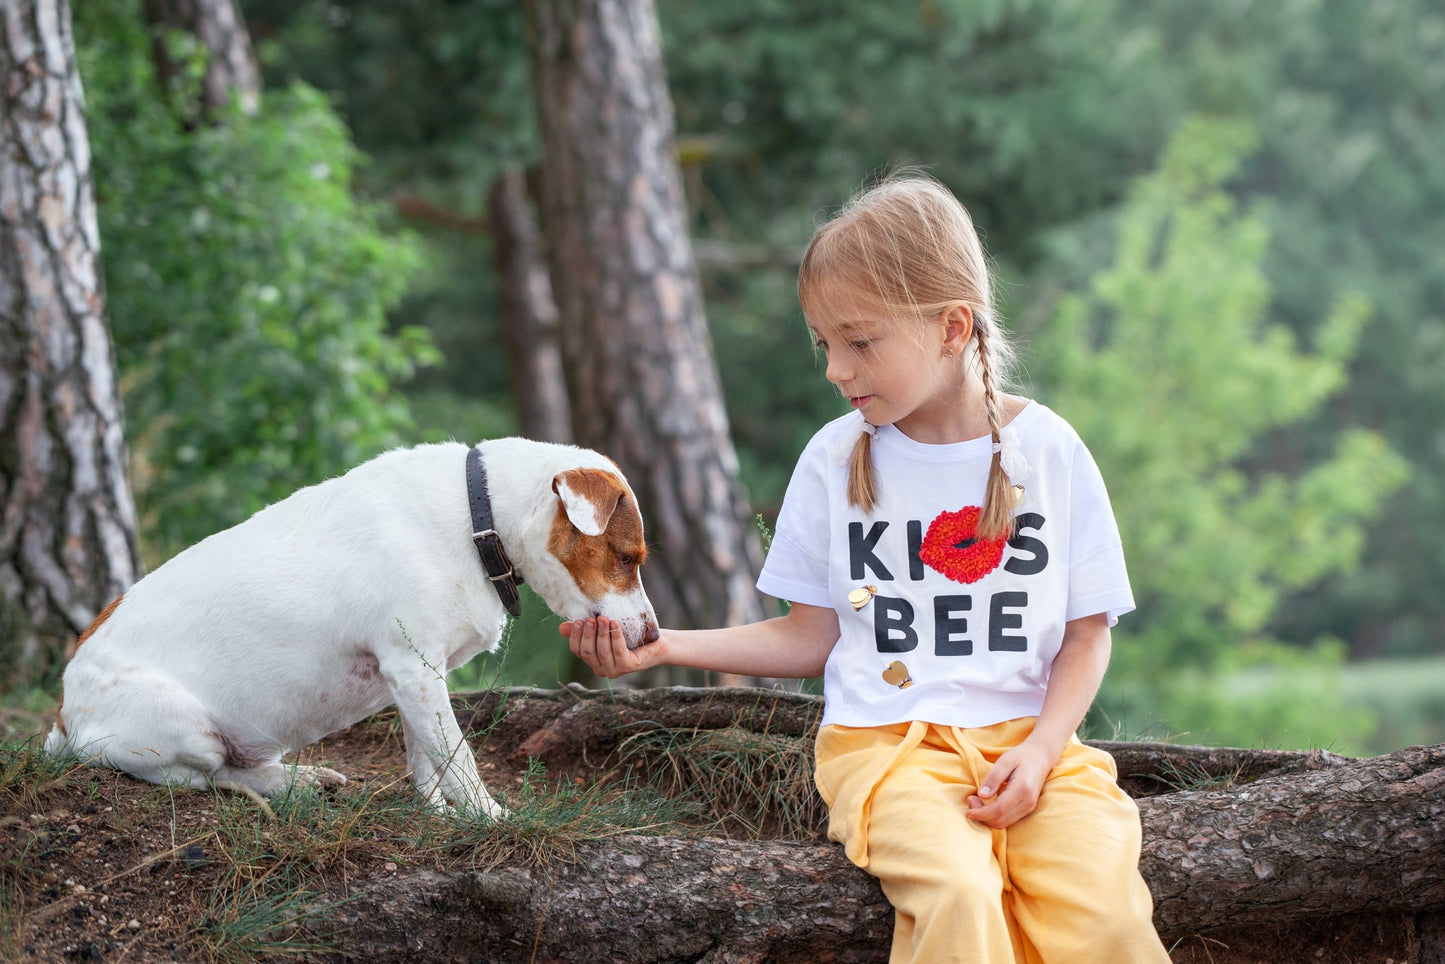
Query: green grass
x=1356, y=708
x=759, y=784
x=1407, y=697
x=544, y=825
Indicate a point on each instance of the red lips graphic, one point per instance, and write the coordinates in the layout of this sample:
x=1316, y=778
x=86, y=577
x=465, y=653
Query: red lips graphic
x=952, y=546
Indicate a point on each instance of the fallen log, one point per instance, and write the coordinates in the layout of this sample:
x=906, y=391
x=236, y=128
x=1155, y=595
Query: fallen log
x=563, y=724
x=1315, y=841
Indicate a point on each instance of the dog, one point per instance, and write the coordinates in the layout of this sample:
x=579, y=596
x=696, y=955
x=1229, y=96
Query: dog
x=348, y=596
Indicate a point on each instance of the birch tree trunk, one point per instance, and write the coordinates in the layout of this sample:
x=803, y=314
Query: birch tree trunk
x=67, y=521
x=642, y=377
x=231, y=69
x=531, y=329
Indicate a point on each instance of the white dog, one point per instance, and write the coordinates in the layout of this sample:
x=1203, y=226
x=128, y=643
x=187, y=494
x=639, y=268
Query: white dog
x=346, y=597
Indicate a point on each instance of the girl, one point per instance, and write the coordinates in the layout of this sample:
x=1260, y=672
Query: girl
x=954, y=569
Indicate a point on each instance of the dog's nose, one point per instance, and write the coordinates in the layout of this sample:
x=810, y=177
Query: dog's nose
x=650, y=633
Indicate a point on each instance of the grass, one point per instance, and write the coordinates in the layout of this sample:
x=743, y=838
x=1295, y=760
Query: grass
x=1407, y=697
x=255, y=920
x=760, y=784
x=544, y=825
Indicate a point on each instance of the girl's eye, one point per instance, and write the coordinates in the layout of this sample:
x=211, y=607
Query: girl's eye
x=860, y=345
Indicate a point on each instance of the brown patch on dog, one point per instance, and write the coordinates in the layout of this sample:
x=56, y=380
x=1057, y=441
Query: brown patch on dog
x=70, y=654
x=104, y=615
x=603, y=563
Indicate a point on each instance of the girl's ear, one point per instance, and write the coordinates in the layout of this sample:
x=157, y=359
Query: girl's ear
x=957, y=328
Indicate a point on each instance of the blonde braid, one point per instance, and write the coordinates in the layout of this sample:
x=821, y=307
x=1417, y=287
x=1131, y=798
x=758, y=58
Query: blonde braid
x=862, y=480
x=996, y=521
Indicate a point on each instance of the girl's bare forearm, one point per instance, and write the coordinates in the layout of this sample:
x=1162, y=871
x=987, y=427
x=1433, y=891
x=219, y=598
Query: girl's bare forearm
x=1073, y=681
x=795, y=646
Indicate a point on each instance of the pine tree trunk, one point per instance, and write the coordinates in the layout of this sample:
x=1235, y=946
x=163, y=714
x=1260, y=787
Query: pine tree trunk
x=642, y=377
x=530, y=326
x=67, y=522
x=231, y=69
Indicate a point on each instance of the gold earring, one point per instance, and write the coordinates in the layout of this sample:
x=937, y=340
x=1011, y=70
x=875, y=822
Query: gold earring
x=948, y=353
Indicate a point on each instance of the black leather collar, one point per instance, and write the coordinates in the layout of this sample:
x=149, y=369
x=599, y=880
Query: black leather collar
x=489, y=545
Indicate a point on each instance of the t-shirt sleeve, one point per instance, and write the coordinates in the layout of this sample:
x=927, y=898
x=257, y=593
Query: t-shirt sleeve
x=1098, y=577
x=796, y=568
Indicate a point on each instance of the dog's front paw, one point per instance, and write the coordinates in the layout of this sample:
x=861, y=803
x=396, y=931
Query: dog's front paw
x=319, y=776
x=486, y=809
x=490, y=812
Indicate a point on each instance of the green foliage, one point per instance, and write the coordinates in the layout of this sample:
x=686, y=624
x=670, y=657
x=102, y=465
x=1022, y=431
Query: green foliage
x=247, y=291
x=439, y=153
x=1040, y=116
x=800, y=100
x=1171, y=369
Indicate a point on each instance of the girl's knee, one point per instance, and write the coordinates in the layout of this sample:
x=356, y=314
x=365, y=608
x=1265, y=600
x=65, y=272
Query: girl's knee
x=1128, y=942
x=947, y=894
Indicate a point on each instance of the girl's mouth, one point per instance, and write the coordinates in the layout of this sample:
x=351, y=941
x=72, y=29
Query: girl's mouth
x=858, y=401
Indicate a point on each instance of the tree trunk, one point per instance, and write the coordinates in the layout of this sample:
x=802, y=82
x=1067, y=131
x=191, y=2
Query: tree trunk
x=1311, y=851
x=231, y=69
x=642, y=378
x=530, y=326
x=67, y=522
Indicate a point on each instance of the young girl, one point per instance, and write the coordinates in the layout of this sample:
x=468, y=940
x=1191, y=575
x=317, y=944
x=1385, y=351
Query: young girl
x=954, y=569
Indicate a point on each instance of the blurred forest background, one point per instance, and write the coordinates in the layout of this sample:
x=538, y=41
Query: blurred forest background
x=1218, y=231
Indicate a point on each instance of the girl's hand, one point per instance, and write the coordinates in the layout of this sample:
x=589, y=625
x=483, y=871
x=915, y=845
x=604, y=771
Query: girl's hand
x=599, y=643
x=1011, y=790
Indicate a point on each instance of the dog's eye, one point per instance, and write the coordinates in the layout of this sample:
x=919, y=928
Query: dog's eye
x=626, y=559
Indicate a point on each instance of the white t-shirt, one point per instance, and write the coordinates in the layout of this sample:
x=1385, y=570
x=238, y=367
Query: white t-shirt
x=976, y=626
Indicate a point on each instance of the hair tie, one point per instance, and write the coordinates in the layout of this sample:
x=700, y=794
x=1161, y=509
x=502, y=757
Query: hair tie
x=869, y=428
x=1010, y=456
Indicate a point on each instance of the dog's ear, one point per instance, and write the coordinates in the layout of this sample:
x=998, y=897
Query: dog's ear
x=589, y=496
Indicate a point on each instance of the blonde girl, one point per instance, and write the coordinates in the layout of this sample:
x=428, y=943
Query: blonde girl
x=954, y=570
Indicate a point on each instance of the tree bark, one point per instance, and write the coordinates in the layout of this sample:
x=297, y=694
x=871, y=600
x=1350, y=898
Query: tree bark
x=531, y=329
x=231, y=70
x=1322, y=845
x=642, y=377
x=67, y=521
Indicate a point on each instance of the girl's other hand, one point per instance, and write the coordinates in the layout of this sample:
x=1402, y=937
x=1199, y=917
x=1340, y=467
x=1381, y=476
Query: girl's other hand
x=599, y=643
x=1011, y=790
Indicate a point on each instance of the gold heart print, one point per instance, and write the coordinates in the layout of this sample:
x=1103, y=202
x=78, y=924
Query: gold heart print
x=897, y=675
x=1018, y=494
x=861, y=597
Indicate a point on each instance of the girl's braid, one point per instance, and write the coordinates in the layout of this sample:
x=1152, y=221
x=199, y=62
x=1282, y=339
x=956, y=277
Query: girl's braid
x=997, y=518
x=862, y=480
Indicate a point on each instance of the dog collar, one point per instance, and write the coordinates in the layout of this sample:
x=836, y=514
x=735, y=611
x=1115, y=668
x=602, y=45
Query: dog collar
x=489, y=545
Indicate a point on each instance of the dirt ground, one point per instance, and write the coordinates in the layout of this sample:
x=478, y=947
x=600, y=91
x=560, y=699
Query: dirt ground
x=96, y=866
x=118, y=870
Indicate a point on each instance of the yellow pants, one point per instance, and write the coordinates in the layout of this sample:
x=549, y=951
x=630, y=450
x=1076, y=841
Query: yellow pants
x=1062, y=885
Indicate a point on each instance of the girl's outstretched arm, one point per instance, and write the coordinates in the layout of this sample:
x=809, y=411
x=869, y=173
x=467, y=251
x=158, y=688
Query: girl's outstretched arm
x=795, y=646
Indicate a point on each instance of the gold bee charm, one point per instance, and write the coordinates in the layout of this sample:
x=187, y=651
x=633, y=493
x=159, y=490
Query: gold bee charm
x=861, y=597
x=896, y=674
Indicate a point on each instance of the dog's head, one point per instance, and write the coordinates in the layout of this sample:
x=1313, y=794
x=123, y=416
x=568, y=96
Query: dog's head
x=596, y=538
